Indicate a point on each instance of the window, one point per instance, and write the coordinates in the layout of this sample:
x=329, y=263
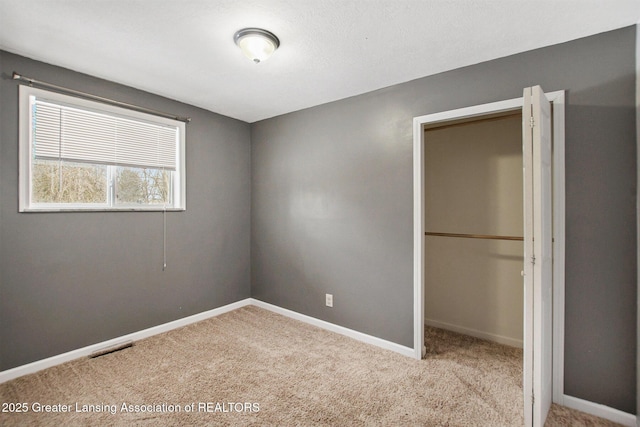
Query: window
x=77, y=154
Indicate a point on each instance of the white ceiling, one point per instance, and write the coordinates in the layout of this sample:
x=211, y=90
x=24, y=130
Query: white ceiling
x=330, y=49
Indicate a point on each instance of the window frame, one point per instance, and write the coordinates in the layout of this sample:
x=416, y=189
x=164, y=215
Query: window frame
x=27, y=93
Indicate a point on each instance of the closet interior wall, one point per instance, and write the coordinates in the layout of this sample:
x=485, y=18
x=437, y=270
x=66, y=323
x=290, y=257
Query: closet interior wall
x=473, y=185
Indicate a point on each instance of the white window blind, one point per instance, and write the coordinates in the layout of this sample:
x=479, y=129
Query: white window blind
x=80, y=155
x=66, y=133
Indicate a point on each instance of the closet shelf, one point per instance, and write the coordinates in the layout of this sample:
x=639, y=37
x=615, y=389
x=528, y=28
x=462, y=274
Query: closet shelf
x=474, y=236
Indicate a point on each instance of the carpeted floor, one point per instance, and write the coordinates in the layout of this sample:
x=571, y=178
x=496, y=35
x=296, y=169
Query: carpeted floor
x=254, y=367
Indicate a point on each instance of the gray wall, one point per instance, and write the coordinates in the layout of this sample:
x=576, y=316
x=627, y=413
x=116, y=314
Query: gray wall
x=332, y=203
x=638, y=213
x=68, y=280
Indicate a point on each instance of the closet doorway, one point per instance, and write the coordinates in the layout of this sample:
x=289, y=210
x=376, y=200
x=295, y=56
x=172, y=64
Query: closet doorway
x=474, y=227
x=503, y=308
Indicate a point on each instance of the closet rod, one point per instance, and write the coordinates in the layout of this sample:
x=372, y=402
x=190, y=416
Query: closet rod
x=474, y=236
x=109, y=101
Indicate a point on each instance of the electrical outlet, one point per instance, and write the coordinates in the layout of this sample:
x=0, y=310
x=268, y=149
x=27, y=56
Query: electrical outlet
x=329, y=300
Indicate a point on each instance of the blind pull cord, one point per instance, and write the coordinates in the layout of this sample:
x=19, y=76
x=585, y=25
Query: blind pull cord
x=164, y=237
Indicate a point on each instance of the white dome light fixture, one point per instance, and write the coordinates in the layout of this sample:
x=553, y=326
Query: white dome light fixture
x=257, y=44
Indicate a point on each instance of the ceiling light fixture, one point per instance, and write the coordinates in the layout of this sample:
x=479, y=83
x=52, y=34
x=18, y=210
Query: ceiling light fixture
x=257, y=44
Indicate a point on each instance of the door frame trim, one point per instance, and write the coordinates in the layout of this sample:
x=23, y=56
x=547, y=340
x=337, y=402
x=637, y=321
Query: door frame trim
x=557, y=99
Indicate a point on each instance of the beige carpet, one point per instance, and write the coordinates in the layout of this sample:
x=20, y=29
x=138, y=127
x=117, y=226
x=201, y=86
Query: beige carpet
x=254, y=367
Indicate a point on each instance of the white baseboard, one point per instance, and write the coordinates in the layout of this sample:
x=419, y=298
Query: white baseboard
x=369, y=339
x=601, y=411
x=474, y=333
x=135, y=336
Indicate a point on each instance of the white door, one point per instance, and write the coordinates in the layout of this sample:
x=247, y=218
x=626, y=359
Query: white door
x=536, y=114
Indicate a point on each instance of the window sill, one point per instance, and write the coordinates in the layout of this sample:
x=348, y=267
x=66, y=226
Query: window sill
x=69, y=210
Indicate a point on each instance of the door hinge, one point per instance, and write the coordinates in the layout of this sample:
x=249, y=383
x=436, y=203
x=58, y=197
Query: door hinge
x=531, y=122
x=533, y=399
x=533, y=259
